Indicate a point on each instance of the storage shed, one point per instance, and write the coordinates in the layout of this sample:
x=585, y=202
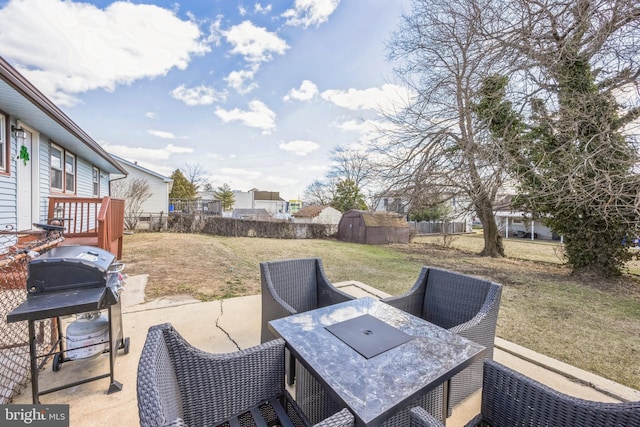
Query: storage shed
x=372, y=228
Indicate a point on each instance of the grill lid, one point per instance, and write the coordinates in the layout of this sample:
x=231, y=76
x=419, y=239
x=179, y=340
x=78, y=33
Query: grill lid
x=69, y=267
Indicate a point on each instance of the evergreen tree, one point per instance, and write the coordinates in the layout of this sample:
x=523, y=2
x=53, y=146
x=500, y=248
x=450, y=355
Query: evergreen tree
x=348, y=197
x=182, y=188
x=226, y=196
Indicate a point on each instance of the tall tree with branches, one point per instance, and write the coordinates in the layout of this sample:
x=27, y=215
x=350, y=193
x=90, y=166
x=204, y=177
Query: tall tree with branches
x=578, y=65
x=436, y=148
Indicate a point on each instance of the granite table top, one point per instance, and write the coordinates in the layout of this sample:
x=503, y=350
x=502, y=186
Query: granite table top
x=374, y=388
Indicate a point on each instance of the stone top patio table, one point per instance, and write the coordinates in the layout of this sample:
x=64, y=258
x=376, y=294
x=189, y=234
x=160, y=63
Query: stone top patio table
x=408, y=364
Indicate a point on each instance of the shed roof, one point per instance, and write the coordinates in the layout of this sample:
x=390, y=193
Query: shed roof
x=381, y=219
x=309, y=211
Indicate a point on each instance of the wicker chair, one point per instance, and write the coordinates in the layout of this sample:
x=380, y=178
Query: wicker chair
x=179, y=385
x=463, y=304
x=510, y=399
x=294, y=286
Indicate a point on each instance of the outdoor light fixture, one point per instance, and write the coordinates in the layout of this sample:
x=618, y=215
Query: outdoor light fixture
x=18, y=132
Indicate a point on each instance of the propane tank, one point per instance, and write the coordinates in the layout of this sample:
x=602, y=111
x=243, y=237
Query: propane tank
x=87, y=336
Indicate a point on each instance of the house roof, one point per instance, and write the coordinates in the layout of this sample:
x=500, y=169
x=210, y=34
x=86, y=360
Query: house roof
x=25, y=102
x=380, y=219
x=309, y=211
x=135, y=165
x=267, y=195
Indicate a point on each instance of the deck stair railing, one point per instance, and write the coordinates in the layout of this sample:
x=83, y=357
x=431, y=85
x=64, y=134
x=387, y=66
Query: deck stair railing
x=92, y=221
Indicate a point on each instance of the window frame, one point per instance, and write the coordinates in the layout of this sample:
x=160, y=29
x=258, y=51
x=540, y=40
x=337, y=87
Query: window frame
x=96, y=181
x=64, y=155
x=5, y=145
x=74, y=174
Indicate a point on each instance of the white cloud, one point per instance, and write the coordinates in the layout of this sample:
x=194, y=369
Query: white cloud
x=237, y=80
x=258, y=116
x=255, y=44
x=310, y=12
x=307, y=91
x=199, y=95
x=301, y=148
x=162, y=134
x=385, y=98
x=118, y=45
x=258, y=8
x=149, y=155
x=150, y=115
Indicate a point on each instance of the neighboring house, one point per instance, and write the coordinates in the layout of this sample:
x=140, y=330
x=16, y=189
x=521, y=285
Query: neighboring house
x=43, y=153
x=388, y=203
x=517, y=224
x=294, y=206
x=373, y=228
x=458, y=212
x=256, y=199
x=159, y=186
x=317, y=215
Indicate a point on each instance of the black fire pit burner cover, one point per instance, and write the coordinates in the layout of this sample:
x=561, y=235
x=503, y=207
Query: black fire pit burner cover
x=368, y=335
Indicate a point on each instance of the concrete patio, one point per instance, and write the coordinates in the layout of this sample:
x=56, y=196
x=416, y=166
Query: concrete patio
x=231, y=324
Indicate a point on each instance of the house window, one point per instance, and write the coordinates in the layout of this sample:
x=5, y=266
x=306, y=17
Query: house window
x=70, y=172
x=56, y=168
x=96, y=182
x=63, y=170
x=3, y=144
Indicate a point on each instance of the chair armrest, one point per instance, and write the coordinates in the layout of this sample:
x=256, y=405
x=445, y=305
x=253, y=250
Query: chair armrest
x=475, y=421
x=511, y=398
x=344, y=418
x=158, y=393
x=328, y=294
x=241, y=379
x=411, y=301
x=419, y=417
x=482, y=327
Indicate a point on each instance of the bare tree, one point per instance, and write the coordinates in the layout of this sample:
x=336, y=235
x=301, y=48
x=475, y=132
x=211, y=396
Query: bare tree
x=350, y=165
x=320, y=193
x=135, y=192
x=436, y=148
x=196, y=175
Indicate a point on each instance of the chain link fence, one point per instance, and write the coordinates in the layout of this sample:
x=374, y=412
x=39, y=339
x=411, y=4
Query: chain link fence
x=16, y=250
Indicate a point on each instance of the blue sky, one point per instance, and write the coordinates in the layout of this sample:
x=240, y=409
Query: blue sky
x=255, y=93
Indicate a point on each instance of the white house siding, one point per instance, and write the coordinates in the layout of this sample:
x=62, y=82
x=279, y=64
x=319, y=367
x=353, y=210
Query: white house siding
x=328, y=216
x=8, y=214
x=45, y=172
x=158, y=187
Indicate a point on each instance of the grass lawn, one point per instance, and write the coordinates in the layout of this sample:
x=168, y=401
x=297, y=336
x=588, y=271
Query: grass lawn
x=586, y=322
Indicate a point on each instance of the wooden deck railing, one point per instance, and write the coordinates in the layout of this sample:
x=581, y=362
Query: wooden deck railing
x=93, y=221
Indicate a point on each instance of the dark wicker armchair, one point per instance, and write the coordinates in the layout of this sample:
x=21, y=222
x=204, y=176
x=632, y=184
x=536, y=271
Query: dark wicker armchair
x=463, y=304
x=180, y=385
x=294, y=286
x=510, y=399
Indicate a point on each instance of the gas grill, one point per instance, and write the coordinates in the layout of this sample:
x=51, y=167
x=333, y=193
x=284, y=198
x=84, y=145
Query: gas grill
x=73, y=280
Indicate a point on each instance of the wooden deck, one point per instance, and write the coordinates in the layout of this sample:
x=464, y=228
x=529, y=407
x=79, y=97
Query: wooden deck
x=89, y=221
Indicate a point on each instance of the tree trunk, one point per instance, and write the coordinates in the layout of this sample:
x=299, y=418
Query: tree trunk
x=493, y=245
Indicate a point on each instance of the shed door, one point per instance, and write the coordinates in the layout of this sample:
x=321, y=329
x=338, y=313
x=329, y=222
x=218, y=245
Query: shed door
x=25, y=195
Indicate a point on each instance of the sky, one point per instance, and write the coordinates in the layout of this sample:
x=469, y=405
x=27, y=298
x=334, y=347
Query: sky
x=255, y=94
